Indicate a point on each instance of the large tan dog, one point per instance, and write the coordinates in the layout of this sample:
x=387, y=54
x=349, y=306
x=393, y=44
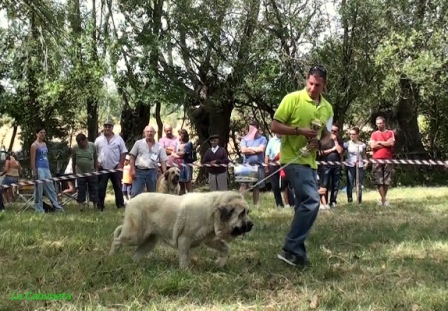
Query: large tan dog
x=169, y=182
x=183, y=222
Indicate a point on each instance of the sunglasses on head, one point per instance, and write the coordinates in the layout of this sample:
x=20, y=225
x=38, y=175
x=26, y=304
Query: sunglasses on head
x=320, y=70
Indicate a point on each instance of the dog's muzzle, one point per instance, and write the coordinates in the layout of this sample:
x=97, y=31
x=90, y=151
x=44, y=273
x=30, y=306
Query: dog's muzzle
x=175, y=179
x=246, y=227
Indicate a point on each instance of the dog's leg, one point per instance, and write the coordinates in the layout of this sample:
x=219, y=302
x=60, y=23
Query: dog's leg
x=145, y=247
x=223, y=249
x=183, y=248
x=116, y=242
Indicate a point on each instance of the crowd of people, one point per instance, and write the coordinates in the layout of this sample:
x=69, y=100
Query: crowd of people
x=148, y=158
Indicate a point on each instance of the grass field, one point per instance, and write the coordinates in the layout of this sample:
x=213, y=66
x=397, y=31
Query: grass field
x=363, y=258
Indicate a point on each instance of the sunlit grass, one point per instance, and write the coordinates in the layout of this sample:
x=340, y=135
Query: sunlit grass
x=363, y=258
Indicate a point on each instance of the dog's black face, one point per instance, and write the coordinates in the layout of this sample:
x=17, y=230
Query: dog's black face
x=175, y=179
x=245, y=227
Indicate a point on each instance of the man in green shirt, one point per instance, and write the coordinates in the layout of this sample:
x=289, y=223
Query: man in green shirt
x=292, y=120
x=85, y=160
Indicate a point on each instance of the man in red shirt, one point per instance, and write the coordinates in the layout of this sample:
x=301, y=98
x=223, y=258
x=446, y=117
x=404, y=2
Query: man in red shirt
x=382, y=142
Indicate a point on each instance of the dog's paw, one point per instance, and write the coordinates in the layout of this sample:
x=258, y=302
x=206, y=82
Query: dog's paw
x=221, y=261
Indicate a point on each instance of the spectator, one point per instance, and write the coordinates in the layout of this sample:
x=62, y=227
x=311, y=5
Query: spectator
x=253, y=147
x=331, y=173
x=183, y=157
x=272, y=152
x=146, y=154
x=382, y=142
x=111, y=152
x=12, y=172
x=127, y=179
x=85, y=160
x=356, y=151
x=40, y=169
x=217, y=176
x=169, y=142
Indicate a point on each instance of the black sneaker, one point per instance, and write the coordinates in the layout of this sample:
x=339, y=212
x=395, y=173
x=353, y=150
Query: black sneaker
x=292, y=259
x=100, y=207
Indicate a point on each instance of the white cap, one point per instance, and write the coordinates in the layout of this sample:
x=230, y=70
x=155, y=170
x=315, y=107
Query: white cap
x=128, y=157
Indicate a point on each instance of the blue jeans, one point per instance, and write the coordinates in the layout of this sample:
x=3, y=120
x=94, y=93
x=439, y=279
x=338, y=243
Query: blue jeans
x=142, y=177
x=304, y=182
x=351, y=181
x=48, y=188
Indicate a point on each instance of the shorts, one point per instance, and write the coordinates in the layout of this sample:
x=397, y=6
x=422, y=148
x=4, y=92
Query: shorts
x=126, y=188
x=260, y=176
x=382, y=174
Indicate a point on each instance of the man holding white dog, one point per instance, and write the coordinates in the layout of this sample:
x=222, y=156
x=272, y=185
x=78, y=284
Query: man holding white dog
x=292, y=120
x=146, y=154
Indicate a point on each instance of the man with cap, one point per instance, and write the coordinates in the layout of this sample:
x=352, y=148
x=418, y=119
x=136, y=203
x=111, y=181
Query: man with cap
x=217, y=175
x=111, y=152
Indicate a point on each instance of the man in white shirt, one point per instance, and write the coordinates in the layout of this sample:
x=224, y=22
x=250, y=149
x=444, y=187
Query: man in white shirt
x=111, y=152
x=146, y=154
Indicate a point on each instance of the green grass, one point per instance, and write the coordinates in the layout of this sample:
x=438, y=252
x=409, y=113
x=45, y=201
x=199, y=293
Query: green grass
x=364, y=258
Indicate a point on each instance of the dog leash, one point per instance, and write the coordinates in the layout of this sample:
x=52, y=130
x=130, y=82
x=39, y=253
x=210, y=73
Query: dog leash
x=270, y=175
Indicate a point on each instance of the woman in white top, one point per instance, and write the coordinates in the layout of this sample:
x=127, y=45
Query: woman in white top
x=356, y=154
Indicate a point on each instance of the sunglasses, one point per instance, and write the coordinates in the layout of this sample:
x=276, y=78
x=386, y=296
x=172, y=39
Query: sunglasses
x=320, y=70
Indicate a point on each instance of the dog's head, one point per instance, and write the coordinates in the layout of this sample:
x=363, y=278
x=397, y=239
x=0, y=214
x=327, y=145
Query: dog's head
x=233, y=215
x=172, y=175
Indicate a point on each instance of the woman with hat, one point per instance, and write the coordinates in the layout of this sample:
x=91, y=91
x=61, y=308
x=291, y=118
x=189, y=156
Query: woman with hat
x=217, y=175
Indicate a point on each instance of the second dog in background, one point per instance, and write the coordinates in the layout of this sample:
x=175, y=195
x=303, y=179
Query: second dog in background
x=169, y=181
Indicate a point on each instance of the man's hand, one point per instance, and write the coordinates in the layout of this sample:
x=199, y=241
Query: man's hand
x=132, y=171
x=266, y=168
x=307, y=132
x=333, y=137
x=313, y=144
x=213, y=162
x=377, y=145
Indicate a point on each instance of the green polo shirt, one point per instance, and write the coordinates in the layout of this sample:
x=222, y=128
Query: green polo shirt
x=297, y=109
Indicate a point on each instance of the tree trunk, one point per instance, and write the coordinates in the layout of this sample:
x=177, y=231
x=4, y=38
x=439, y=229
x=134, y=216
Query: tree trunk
x=92, y=119
x=92, y=102
x=28, y=131
x=159, y=120
x=211, y=119
x=133, y=121
x=408, y=133
x=13, y=137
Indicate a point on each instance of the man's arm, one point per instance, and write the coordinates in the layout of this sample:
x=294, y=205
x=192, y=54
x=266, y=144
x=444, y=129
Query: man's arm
x=124, y=151
x=258, y=149
x=388, y=143
x=339, y=145
x=163, y=158
x=133, y=154
x=95, y=160
x=245, y=149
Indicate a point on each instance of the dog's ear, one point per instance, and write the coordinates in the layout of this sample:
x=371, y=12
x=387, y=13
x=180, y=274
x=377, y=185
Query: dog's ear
x=226, y=212
x=166, y=174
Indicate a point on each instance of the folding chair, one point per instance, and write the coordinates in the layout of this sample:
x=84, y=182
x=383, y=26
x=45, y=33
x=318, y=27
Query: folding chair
x=65, y=198
x=25, y=196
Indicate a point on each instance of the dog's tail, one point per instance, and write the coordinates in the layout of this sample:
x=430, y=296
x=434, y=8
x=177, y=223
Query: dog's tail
x=117, y=231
